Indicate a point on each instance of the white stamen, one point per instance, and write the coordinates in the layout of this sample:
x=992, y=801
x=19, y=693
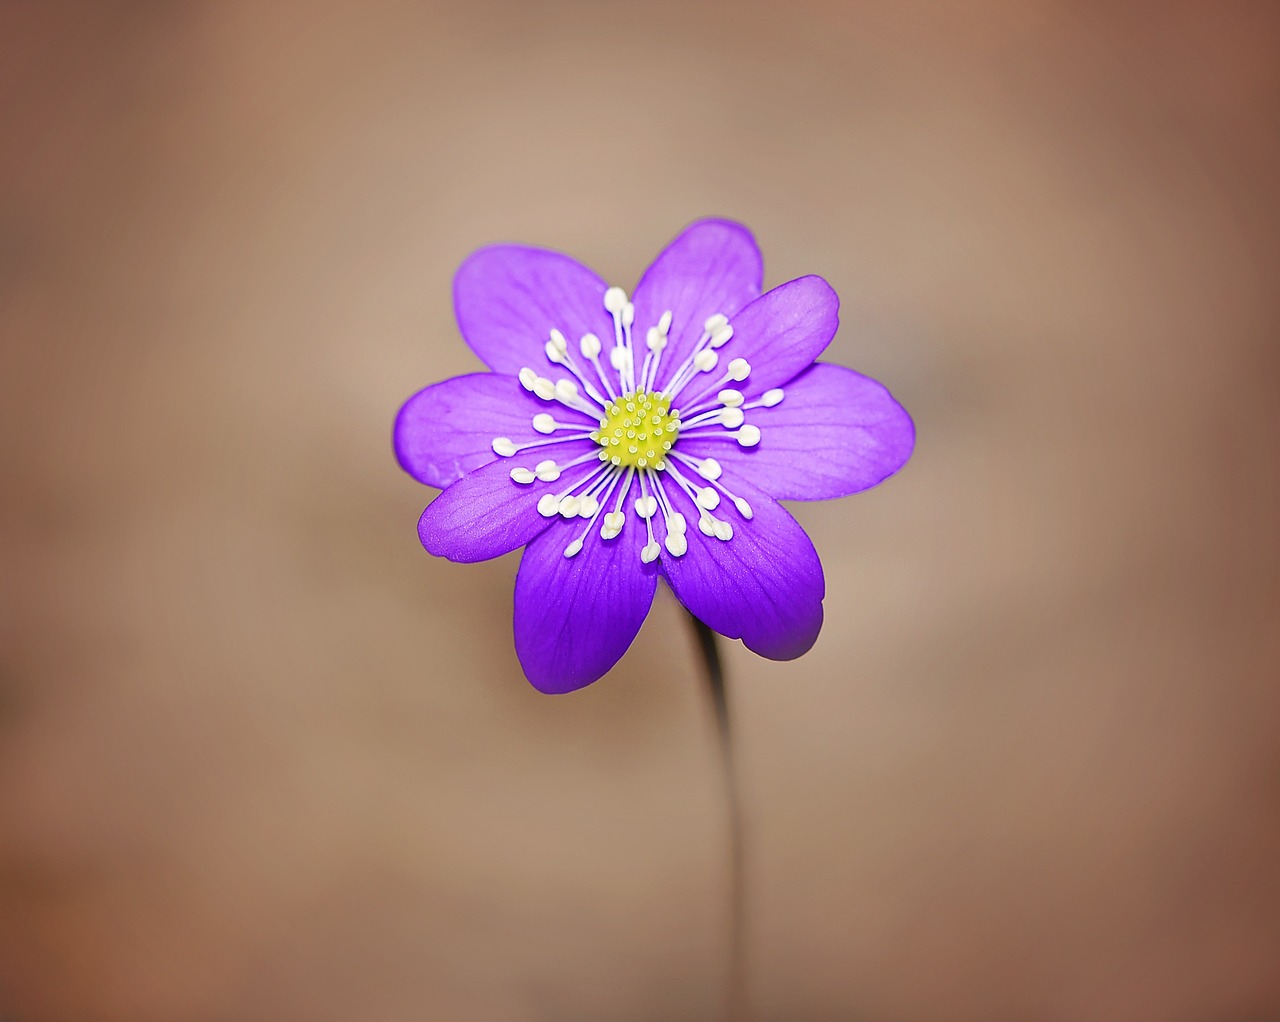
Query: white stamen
x=655, y=339
x=646, y=507
x=676, y=523
x=628, y=315
x=664, y=322
x=614, y=300
x=748, y=435
x=731, y=417
x=739, y=369
x=544, y=388
x=554, y=354
x=715, y=322
x=722, y=337
x=709, y=497
x=544, y=423
x=706, y=526
x=590, y=347
x=548, y=505
x=709, y=469
x=503, y=447
x=771, y=397
x=730, y=398
x=527, y=378
x=573, y=548
x=677, y=544
x=744, y=508
x=650, y=553
x=589, y=506
x=722, y=529
x=618, y=358
x=613, y=523
x=566, y=391
x=570, y=506
x=557, y=338
x=523, y=475
x=548, y=471
x=706, y=360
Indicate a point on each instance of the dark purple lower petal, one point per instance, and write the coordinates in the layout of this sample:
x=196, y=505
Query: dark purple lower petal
x=486, y=514
x=763, y=586
x=834, y=433
x=447, y=430
x=576, y=616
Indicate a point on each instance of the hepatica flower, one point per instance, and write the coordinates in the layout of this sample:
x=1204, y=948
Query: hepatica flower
x=620, y=439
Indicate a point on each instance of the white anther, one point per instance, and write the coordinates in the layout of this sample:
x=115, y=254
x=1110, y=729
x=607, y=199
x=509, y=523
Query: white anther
x=709, y=497
x=544, y=423
x=706, y=526
x=589, y=506
x=566, y=390
x=743, y=507
x=527, y=378
x=650, y=553
x=739, y=369
x=676, y=523
x=677, y=544
x=771, y=397
x=557, y=338
x=664, y=322
x=731, y=417
x=710, y=469
x=548, y=471
x=722, y=529
x=628, y=314
x=570, y=506
x=722, y=337
x=544, y=388
x=573, y=548
x=618, y=358
x=730, y=398
x=548, y=505
x=655, y=339
x=523, y=475
x=590, y=345
x=503, y=447
x=614, y=299
x=715, y=322
x=554, y=354
x=706, y=360
x=646, y=506
x=748, y=435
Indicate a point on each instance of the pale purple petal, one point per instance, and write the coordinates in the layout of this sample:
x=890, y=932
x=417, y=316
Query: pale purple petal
x=576, y=616
x=486, y=513
x=507, y=299
x=446, y=430
x=711, y=266
x=764, y=585
x=779, y=334
x=834, y=433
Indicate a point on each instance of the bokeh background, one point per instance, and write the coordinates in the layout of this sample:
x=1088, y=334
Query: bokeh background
x=261, y=757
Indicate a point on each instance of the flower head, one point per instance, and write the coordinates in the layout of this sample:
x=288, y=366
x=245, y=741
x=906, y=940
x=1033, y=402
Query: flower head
x=622, y=438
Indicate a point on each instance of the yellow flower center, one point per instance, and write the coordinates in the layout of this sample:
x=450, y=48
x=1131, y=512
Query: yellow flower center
x=637, y=430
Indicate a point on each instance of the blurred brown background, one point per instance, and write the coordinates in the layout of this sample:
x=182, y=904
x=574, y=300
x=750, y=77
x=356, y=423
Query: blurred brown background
x=261, y=757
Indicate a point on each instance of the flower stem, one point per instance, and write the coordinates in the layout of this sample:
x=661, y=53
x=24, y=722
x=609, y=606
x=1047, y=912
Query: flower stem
x=735, y=999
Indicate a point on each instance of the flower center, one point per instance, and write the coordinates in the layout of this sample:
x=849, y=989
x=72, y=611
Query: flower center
x=637, y=430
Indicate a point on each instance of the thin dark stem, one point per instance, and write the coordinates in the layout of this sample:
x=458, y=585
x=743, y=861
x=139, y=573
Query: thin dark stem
x=735, y=1001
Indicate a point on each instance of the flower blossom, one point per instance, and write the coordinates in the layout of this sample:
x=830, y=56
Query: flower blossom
x=622, y=438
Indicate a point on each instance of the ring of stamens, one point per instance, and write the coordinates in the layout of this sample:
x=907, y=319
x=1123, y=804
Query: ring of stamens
x=637, y=430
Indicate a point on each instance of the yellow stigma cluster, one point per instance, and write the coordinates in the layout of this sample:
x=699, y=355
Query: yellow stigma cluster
x=637, y=430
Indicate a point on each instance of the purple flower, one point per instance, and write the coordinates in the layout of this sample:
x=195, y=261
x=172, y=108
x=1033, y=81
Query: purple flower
x=621, y=439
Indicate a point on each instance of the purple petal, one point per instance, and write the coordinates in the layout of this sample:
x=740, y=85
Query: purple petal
x=836, y=432
x=779, y=334
x=507, y=298
x=711, y=266
x=764, y=585
x=445, y=431
x=486, y=513
x=576, y=616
